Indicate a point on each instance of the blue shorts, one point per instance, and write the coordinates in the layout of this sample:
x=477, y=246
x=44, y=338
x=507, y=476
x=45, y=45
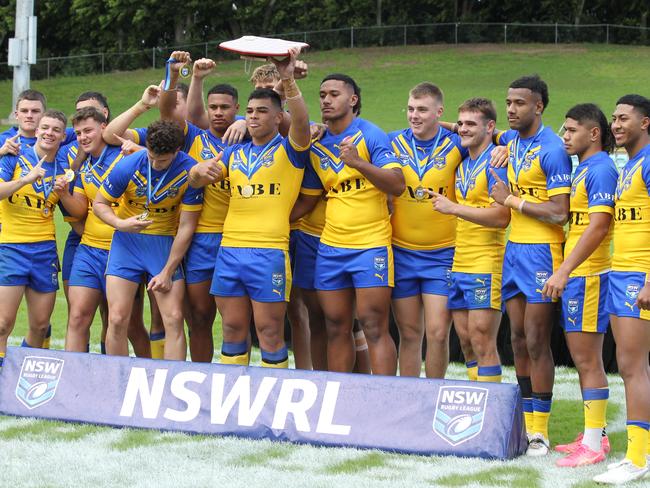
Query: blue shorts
x=89, y=268
x=418, y=272
x=584, y=304
x=304, y=266
x=201, y=257
x=338, y=267
x=69, y=249
x=133, y=256
x=34, y=265
x=474, y=291
x=526, y=267
x=262, y=274
x=624, y=286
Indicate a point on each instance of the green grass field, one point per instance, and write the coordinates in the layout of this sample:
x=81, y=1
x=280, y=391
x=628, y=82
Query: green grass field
x=42, y=453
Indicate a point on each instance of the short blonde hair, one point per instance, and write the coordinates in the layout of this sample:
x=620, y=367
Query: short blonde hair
x=265, y=72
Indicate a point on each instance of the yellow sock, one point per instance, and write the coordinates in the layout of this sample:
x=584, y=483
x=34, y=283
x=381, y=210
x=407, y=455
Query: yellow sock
x=239, y=360
x=281, y=365
x=542, y=411
x=157, y=340
x=278, y=359
x=48, y=337
x=472, y=370
x=637, y=441
x=490, y=373
x=529, y=420
x=2, y=358
x=594, y=401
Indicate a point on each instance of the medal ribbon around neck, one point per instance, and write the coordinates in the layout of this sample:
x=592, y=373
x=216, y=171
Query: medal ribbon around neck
x=421, y=169
x=625, y=180
x=47, y=188
x=252, y=165
x=153, y=192
x=469, y=173
x=515, y=144
x=90, y=168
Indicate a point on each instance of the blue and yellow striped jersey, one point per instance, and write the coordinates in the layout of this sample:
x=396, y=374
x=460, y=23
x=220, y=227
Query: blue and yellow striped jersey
x=24, y=215
x=356, y=214
x=265, y=182
x=538, y=168
x=427, y=165
x=592, y=190
x=170, y=191
x=632, y=215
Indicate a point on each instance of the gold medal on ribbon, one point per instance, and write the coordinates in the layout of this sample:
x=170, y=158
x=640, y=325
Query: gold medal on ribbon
x=69, y=175
x=46, y=210
x=143, y=216
x=420, y=193
x=247, y=191
x=185, y=71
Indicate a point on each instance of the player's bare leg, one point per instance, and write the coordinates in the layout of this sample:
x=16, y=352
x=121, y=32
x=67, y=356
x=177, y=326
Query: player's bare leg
x=10, y=298
x=236, y=313
x=338, y=309
x=170, y=305
x=300, y=335
x=119, y=295
x=83, y=303
x=409, y=317
x=39, y=312
x=437, y=322
x=361, y=354
x=137, y=333
x=538, y=324
x=461, y=325
x=483, y=328
x=269, y=324
x=204, y=311
x=373, y=307
x=318, y=332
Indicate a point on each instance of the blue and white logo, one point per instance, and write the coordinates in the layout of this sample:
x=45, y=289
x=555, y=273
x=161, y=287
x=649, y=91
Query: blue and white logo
x=380, y=263
x=541, y=277
x=480, y=295
x=326, y=162
x=439, y=162
x=172, y=191
x=141, y=191
x=206, y=153
x=39, y=377
x=277, y=279
x=632, y=291
x=572, y=306
x=460, y=412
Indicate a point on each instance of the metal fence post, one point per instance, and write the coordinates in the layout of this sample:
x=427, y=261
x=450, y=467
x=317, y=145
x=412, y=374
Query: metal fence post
x=102, y=63
x=48, y=69
x=304, y=37
x=351, y=37
x=206, y=50
x=153, y=57
x=405, y=35
x=456, y=33
x=607, y=34
x=505, y=33
x=556, y=34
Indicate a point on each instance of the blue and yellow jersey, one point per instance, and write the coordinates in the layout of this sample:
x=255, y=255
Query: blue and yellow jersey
x=139, y=135
x=89, y=181
x=592, y=190
x=205, y=146
x=540, y=170
x=427, y=165
x=265, y=182
x=479, y=249
x=356, y=214
x=170, y=191
x=28, y=214
x=632, y=215
x=314, y=222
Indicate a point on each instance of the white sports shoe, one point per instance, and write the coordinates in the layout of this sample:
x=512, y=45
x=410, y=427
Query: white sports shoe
x=537, y=446
x=621, y=472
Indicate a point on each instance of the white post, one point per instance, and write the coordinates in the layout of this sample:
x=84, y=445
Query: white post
x=25, y=43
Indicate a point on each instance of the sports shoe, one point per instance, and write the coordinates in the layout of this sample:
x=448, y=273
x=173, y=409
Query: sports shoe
x=582, y=456
x=538, y=446
x=621, y=472
x=573, y=446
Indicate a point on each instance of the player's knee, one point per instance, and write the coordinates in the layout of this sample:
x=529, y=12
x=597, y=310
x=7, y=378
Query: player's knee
x=118, y=320
x=6, y=326
x=438, y=336
x=78, y=321
x=537, y=348
x=411, y=332
x=630, y=366
x=270, y=335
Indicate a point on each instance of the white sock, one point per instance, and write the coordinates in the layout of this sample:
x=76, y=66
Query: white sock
x=592, y=439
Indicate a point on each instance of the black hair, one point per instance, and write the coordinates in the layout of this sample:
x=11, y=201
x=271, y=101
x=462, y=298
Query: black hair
x=590, y=112
x=164, y=137
x=266, y=94
x=224, y=89
x=93, y=95
x=640, y=103
x=352, y=84
x=535, y=84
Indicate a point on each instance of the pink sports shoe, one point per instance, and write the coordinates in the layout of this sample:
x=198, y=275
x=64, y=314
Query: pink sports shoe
x=582, y=456
x=573, y=446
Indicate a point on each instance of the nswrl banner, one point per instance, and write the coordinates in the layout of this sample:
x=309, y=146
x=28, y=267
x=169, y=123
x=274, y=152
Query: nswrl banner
x=409, y=415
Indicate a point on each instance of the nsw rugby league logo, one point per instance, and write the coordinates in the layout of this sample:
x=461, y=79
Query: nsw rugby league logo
x=460, y=413
x=38, y=380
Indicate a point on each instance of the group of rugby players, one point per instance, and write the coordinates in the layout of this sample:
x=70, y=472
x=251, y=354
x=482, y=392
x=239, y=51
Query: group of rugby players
x=207, y=203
